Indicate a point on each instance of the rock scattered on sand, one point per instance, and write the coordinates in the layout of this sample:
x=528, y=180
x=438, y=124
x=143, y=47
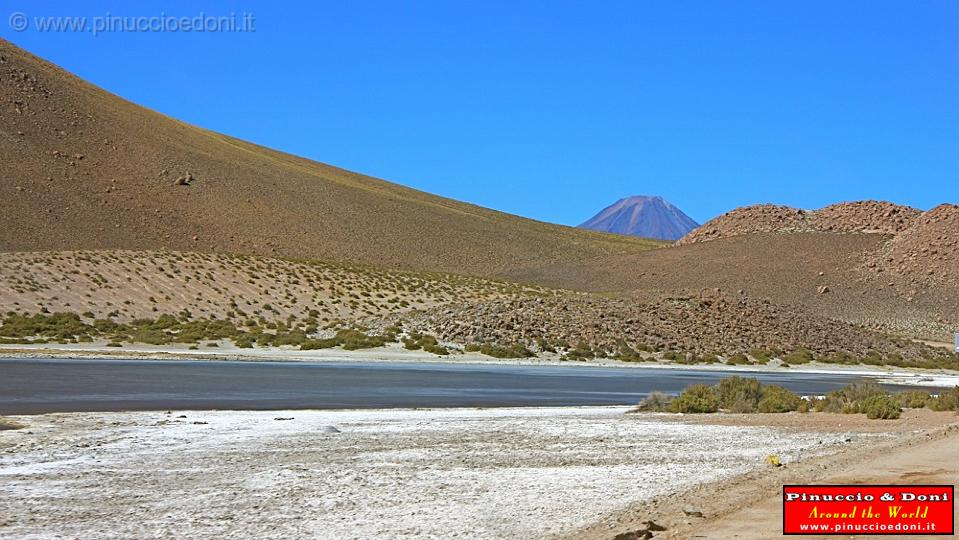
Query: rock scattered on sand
x=184, y=180
x=692, y=512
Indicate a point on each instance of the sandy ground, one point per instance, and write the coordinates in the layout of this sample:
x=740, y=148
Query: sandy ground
x=396, y=353
x=496, y=473
x=923, y=449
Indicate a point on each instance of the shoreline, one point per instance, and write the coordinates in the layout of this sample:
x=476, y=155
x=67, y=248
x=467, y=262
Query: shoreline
x=396, y=354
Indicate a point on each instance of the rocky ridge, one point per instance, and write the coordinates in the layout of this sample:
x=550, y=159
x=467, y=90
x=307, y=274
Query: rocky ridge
x=924, y=255
x=876, y=217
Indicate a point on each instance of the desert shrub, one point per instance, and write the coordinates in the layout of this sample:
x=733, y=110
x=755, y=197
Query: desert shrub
x=295, y=338
x=738, y=359
x=625, y=353
x=858, y=391
x=776, y=399
x=841, y=357
x=761, y=356
x=948, y=400
x=880, y=406
x=428, y=343
x=149, y=336
x=654, y=402
x=913, y=399
x=6, y=423
x=582, y=351
x=354, y=339
x=436, y=349
x=739, y=394
x=860, y=397
x=687, y=359
x=53, y=325
x=314, y=344
x=513, y=351
x=412, y=342
x=799, y=356
x=545, y=346
x=873, y=358
x=697, y=398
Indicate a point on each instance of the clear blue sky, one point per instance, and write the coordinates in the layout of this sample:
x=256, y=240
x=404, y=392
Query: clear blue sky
x=555, y=109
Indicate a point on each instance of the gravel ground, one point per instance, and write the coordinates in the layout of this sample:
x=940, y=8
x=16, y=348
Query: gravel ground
x=494, y=473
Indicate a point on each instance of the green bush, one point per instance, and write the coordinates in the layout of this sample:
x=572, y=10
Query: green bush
x=799, y=356
x=314, y=344
x=858, y=391
x=674, y=356
x=738, y=359
x=697, y=398
x=861, y=397
x=436, y=349
x=352, y=340
x=582, y=351
x=428, y=343
x=948, y=400
x=880, y=406
x=513, y=351
x=654, y=402
x=739, y=394
x=761, y=356
x=777, y=399
x=913, y=399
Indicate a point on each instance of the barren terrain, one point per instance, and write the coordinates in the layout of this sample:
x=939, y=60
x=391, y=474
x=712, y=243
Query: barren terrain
x=502, y=473
x=923, y=451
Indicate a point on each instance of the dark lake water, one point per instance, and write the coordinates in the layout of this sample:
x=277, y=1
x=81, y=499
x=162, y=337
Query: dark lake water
x=31, y=386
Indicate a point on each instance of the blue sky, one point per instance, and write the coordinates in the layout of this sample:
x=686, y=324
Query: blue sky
x=553, y=109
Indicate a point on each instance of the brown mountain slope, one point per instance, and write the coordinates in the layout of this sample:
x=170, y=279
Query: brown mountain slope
x=819, y=273
x=84, y=169
x=259, y=293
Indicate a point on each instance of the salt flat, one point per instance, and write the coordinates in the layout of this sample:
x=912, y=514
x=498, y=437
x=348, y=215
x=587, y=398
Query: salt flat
x=478, y=473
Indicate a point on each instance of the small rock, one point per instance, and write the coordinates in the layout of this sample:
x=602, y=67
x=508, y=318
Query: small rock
x=281, y=418
x=653, y=526
x=822, y=289
x=692, y=512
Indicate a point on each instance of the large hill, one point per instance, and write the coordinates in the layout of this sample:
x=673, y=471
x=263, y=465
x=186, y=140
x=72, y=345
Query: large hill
x=85, y=169
x=649, y=217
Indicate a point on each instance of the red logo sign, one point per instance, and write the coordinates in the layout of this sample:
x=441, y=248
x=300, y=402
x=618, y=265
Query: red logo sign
x=854, y=510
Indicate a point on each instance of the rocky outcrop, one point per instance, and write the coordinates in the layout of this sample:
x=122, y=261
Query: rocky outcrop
x=876, y=217
x=924, y=255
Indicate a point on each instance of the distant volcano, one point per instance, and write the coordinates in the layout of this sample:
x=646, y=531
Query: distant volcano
x=650, y=217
